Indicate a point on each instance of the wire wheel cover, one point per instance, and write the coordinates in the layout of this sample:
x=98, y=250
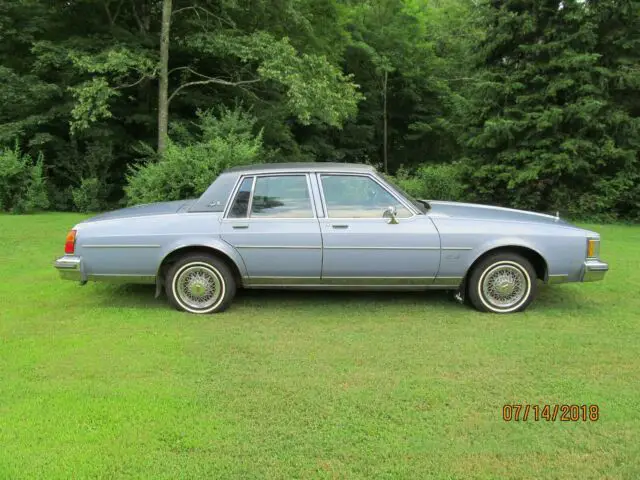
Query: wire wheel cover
x=504, y=286
x=199, y=287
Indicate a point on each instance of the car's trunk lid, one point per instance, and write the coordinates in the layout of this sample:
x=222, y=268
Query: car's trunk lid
x=144, y=210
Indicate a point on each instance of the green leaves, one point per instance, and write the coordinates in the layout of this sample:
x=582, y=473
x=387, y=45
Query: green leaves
x=546, y=126
x=226, y=139
x=92, y=103
x=22, y=183
x=314, y=89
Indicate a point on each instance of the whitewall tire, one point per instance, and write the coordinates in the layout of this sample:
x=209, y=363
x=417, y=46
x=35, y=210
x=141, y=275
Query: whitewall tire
x=200, y=284
x=502, y=283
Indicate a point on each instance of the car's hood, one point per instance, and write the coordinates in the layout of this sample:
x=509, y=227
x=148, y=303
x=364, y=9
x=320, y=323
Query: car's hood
x=160, y=208
x=487, y=212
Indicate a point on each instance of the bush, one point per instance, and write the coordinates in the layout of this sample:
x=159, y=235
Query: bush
x=185, y=171
x=433, y=182
x=94, y=183
x=89, y=196
x=23, y=187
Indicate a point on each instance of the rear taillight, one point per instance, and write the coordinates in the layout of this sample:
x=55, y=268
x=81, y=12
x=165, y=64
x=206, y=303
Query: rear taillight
x=70, y=243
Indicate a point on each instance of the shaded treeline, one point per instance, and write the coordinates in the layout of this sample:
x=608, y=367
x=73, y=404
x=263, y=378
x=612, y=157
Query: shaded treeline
x=531, y=104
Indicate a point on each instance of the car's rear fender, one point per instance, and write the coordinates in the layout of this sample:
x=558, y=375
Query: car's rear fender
x=215, y=246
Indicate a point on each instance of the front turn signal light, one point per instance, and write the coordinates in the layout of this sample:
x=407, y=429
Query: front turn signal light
x=593, y=248
x=70, y=243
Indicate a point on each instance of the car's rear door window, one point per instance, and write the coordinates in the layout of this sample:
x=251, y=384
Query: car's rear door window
x=240, y=206
x=281, y=196
x=358, y=196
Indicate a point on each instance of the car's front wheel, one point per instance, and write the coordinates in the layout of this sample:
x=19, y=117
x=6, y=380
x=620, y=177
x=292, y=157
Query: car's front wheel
x=199, y=283
x=502, y=283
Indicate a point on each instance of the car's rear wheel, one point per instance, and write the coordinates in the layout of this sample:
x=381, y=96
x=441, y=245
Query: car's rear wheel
x=199, y=283
x=502, y=283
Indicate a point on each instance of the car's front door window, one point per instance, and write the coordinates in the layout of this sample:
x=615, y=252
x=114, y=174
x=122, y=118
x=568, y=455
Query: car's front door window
x=285, y=196
x=355, y=196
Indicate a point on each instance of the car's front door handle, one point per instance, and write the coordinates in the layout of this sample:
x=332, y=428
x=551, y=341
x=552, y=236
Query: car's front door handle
x=340, y=226
x=237, y=227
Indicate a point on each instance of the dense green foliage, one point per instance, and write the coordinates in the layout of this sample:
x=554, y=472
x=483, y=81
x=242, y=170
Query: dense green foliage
x=433, y=182
x=552, y=127
x=186, y=169
x=22, y=183
x=537, y=102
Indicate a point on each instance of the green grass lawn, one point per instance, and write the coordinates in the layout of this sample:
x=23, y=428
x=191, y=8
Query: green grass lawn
x=105, y=381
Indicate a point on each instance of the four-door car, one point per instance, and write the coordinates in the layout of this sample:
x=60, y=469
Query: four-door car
x=328, y=226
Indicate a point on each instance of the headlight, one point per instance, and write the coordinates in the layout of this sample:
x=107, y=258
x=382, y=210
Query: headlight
x=593, y=247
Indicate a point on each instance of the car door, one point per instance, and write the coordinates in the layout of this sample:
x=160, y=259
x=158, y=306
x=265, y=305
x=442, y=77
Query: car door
x=272, y=223
x=361, y=247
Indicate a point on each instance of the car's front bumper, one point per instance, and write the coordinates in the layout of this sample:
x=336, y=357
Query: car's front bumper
x=69, y=267
x=594, y=270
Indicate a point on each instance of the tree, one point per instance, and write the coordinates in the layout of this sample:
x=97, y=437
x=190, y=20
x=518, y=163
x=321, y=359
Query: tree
x=546, y=131
x=315, y=90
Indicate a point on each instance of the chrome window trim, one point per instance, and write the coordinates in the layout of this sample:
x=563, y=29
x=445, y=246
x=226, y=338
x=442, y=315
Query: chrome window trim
x=400, y=200
x=248, y=218
x=316, y=192
x=232, y=197
x=253, y=189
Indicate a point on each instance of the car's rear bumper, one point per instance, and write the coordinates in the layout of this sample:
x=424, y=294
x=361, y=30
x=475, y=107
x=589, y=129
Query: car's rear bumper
x=594, y=270
x=69, y=267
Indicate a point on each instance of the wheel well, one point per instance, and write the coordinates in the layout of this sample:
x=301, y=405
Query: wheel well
x=176, y=254
x=538, y=262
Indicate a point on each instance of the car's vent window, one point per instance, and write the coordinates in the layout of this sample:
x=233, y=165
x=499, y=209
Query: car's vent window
x=240, y=205
x=354, y=196
x=285, y=196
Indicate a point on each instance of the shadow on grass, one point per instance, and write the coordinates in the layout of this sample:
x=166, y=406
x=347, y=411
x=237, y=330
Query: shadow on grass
x=142, y=296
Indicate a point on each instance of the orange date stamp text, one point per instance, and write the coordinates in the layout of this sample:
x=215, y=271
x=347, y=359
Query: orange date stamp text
x=522, y=412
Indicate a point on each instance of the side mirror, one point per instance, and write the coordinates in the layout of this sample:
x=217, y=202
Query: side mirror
x=391, y=213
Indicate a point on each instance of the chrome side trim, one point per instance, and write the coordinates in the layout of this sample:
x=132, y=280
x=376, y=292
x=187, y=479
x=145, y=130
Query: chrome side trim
x=339, y=281
x=119, y=278
x=294, y=247
x=594, y=271
x=448, y=281
x=350, y=288
x=381, y=248
x=120, y=246
x=559, y=278
x=274, y=281
x=377, y=280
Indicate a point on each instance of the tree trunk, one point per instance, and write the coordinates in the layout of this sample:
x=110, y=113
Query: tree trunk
x=384, y=122
x=163, y=93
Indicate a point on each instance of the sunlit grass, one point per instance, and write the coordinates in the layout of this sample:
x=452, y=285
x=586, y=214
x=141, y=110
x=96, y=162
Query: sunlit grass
x=106, y=381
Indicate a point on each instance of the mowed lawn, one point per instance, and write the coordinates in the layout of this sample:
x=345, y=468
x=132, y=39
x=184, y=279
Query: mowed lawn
x=105, y=381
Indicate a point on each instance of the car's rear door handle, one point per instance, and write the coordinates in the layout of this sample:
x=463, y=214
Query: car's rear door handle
x=340, y=226
x=237, y=227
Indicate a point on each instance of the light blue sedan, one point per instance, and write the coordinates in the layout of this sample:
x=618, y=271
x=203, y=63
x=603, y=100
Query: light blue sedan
x=328, y=226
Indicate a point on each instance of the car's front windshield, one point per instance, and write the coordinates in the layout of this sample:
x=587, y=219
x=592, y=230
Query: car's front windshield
x=422, y=206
